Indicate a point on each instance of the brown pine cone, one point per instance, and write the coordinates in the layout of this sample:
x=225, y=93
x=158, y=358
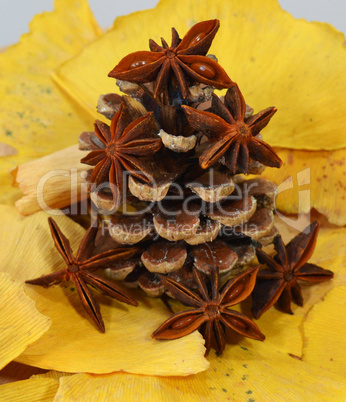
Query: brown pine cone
x=173, y=239
x=186, y=216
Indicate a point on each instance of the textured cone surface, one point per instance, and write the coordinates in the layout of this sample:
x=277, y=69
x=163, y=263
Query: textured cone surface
x=185, y=240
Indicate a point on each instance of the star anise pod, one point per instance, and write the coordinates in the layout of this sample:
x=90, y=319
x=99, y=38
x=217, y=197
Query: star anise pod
x=79, y=269
x=234, y=137
x=210, y=309
x=184, y=58
x=278, y=283
x=119, y=151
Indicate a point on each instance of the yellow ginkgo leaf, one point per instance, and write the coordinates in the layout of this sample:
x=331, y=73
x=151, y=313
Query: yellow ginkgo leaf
x=16, y=372
x=20, y=322
x=38, y=390
x=55, y=375
x=73, y=344
x=295, y=65
x=239, y=374
x=281, y=330
x=311, y=180
x=329, y=254
x=27, y=248
x=324, y=333
x=37, y=118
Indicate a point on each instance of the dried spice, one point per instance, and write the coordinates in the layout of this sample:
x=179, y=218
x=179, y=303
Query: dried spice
x=80, y=269
x=235, y=138
x=121, y=148
x=278, y=284
x=184, y=59
x=211, y=311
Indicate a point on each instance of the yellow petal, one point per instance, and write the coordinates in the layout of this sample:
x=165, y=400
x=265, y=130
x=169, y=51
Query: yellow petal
x=239, y=374
x=297, y=66
x=73, y=344
x=311, y=180
x=40, y=389
x=37, y=118
x=20, y=323
x=324, y=330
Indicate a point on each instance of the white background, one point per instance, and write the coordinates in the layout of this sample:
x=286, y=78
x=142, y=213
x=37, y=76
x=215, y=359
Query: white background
x=15, y=15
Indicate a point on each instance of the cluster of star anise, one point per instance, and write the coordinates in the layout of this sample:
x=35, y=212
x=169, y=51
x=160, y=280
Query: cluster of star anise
x=169, y=178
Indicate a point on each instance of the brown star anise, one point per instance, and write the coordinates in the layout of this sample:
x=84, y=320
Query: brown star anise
x=122, y=145
x=80, y=270
x=210, y=309
x=278, y=283
x=183, y=57
x=234, y=137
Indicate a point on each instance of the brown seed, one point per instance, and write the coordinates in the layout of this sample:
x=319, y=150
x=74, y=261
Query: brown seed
x=196, y=39
x=236, y=291
x=204, y=70
x=183, y=322
x=138, y=63
x=238, y=323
